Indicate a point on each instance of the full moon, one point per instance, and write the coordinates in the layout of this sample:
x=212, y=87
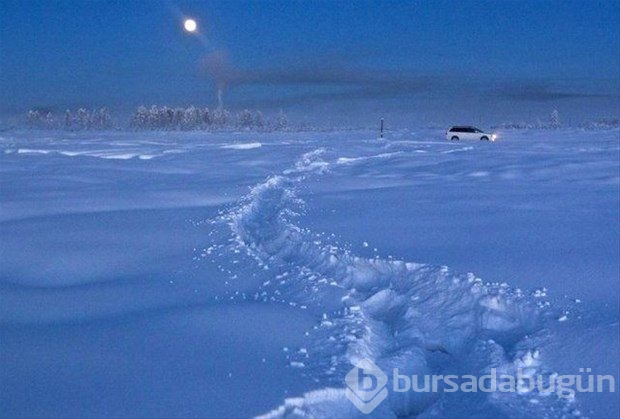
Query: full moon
x=190, y=25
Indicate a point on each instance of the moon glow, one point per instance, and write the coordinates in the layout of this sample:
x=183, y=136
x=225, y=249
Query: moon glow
x=190, y=25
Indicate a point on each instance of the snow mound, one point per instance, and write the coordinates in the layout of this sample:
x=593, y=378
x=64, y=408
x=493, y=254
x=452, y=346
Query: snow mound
x=242, y=146
x=349, y=160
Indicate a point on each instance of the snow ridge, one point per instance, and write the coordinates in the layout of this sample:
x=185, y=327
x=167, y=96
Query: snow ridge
x=418, y=318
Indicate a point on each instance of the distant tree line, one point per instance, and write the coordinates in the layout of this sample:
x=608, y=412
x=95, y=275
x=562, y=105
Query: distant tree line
x=194, y=118
x=81, y=119
x=608, y=123
x=159, y=118
x=555, y=122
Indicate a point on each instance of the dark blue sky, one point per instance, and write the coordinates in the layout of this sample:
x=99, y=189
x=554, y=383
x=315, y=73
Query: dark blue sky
x=462, y=59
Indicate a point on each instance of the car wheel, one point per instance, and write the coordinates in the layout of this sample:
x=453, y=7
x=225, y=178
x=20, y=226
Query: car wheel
x=485, y=138
x=455, y=138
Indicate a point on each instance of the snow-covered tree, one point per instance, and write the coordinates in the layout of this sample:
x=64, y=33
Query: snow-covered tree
x=191, y=118
x=206, y=118
x=555, y=121
x=105, y=121
x=221, y=117
x=68, y=119
x=281, y=121
x=82, y=118
x=245, y=119
x=177, y=120
x=259, y=120
x=33, y=118
x=151, y=117
x=49, y=121
x=139, y=118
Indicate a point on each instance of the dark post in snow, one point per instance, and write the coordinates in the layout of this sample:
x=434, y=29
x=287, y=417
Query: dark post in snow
x=381, y=135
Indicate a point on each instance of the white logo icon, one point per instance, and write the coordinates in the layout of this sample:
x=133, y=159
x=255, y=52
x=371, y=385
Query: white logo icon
x=366, y=386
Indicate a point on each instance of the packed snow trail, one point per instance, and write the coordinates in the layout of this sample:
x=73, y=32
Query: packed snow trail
x=418, y=318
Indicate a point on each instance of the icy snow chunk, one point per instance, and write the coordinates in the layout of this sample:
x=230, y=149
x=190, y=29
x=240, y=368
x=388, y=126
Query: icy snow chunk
x=385, y=304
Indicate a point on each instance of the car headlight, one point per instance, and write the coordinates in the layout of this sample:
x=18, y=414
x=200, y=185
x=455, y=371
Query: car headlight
x=493, y=137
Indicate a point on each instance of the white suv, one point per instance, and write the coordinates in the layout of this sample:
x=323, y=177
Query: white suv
x=468, y=133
